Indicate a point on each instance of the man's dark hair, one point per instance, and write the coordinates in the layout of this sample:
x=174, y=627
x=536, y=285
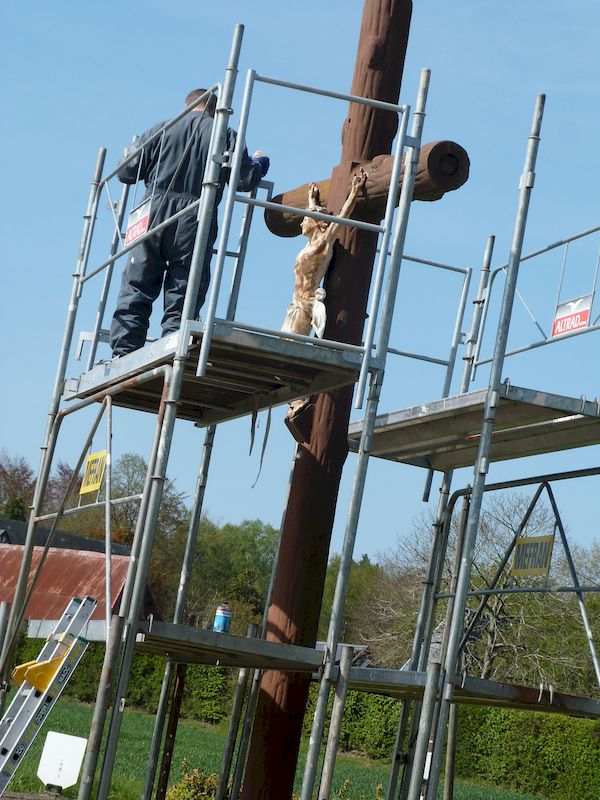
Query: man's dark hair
x=210, y=103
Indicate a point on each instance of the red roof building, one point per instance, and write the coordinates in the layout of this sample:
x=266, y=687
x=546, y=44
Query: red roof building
x=65, y=574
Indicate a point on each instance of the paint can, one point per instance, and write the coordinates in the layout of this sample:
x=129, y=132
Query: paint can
x=222, y=618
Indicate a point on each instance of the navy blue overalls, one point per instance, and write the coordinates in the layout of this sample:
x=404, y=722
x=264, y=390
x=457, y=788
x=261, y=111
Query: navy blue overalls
x=173, y=170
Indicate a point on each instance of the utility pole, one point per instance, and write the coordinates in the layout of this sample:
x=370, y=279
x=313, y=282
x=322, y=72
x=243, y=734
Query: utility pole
x=294, y=613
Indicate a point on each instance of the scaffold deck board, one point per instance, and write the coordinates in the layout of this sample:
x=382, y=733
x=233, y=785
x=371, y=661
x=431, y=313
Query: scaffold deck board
x=404, y=684
x=247, y=371
x=445, y=434
x=193, y=646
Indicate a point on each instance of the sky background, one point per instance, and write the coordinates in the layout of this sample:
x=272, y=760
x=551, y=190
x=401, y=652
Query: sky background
x=77, y=76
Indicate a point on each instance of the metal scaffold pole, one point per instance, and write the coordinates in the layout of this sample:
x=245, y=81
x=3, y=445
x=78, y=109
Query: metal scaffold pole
x=195, y=517
x=244, y=742
x=341, y=586
x=426, y=616
x=114, y=643
x=182, y=591
x=574, y=577
x=335, y=723
x=49, y=444
x=482, y=462
x=137, y=577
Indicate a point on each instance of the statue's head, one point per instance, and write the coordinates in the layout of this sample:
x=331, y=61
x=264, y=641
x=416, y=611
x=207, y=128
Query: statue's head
x=310, y=225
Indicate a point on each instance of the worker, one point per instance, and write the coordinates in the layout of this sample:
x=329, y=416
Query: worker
x=172, y=167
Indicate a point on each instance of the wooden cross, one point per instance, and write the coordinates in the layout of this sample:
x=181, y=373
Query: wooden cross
x=443, y=167
x=294, y=614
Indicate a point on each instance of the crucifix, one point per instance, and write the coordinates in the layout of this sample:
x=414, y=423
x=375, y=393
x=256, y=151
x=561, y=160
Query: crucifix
x=293, y=617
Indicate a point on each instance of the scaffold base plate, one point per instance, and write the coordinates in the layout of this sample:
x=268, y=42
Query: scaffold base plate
x=445, y=434
x=247, y=371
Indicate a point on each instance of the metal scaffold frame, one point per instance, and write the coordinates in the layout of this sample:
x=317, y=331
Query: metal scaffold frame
x=366, y=361
x=435, y=711
x=429, y=687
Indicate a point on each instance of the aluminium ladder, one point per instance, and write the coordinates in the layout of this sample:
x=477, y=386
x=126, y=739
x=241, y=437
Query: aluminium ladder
x=42, y=682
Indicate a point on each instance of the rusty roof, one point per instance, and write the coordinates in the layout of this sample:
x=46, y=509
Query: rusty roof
x=65, y=574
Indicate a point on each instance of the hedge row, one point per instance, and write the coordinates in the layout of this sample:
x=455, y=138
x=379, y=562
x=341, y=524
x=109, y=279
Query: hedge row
x=207, y=694
x=548, y=754
x=369, y=724
x=552, y=755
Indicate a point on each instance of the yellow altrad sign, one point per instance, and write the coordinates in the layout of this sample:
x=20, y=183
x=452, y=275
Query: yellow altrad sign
x=94, y=472
x=533, y=555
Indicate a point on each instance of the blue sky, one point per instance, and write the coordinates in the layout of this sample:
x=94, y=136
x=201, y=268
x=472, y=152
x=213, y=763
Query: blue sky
x=76, y=76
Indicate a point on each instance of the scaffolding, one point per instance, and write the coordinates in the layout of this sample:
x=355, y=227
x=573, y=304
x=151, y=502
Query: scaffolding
x=216, y=370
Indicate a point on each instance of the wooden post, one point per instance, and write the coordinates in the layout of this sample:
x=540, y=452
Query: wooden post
x=167, y=757
x=294, y=613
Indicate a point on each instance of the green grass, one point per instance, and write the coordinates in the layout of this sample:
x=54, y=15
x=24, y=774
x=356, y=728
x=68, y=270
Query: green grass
x=203, y=746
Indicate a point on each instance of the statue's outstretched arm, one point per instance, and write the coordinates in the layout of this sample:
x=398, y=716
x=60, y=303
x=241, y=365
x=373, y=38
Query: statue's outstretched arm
x=358, y=181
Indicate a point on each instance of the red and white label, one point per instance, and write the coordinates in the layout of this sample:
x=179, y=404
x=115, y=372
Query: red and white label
x=138, y=222
x=572, y=315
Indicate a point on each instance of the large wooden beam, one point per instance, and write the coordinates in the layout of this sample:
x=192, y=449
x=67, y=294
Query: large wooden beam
x=298, y=590
x=443, y=167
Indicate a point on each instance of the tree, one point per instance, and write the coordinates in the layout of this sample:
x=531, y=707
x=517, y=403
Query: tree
x=58, y=484
x=14, y=508
x=364, y=575
x=522, y=638
x=231, y=563
x=16, y=485
x=128, y=477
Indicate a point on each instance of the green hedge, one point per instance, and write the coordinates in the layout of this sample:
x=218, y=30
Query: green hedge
x=369, y=725
x=555, y=756
x=207, y=695
x=548, y=754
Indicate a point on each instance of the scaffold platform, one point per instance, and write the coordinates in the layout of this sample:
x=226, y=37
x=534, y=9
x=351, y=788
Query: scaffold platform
x=445, y=434
x=188, y=645
x=248, y=370
x=404, y=684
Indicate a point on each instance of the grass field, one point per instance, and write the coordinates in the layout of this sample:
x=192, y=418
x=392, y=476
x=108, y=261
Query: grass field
x=203, y=746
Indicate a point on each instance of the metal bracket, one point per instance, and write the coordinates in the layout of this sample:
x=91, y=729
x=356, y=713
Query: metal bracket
x=527, y=180
x=87, y=336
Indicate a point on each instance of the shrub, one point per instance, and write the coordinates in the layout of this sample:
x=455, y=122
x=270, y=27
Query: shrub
x=195, y=785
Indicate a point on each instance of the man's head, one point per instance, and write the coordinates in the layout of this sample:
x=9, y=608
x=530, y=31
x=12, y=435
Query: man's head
x=208, y=105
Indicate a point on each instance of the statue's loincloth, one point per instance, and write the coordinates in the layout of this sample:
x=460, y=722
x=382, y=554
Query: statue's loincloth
x=306, y=312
